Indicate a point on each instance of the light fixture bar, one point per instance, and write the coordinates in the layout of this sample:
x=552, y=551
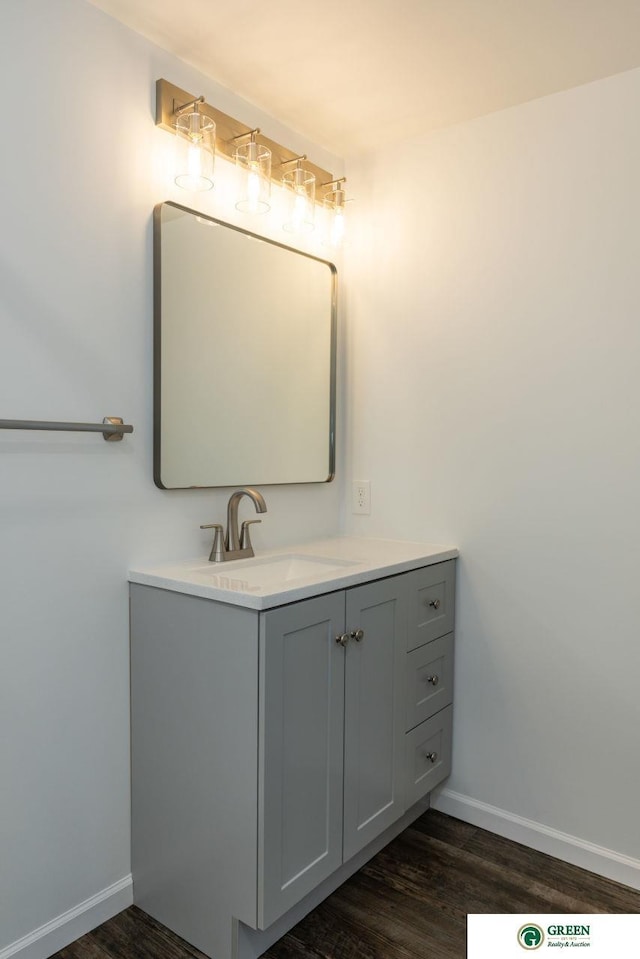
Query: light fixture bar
x=170, y=100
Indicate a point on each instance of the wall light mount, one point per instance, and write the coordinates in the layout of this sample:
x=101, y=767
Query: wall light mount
x=171, y=101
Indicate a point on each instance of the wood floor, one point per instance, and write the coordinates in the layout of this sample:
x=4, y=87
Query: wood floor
x=409, y=902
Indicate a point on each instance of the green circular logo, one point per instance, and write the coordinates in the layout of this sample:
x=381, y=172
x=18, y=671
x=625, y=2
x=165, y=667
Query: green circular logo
x=530, y=936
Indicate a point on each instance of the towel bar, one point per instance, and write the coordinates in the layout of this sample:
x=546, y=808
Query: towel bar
x=112, y=427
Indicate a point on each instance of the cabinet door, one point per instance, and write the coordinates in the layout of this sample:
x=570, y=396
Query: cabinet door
x=374, y=711
x=301, y=751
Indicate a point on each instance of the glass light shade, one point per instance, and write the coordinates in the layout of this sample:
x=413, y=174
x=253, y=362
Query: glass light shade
x=197, y=134
x=301, y=186
x=335, y=207
x=253, y=161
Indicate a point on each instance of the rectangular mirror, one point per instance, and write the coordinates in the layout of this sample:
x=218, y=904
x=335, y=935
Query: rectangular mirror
x=244, y=357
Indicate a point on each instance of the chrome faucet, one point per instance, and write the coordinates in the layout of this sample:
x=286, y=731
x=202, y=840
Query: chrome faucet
x=235, y=544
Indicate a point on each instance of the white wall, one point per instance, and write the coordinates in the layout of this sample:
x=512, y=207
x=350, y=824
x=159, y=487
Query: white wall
x=81, y=168
x=494, y=403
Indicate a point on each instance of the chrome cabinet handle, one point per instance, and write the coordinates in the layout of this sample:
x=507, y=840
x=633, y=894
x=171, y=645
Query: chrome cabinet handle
x=435, y=603
x=357, y=634
x=342, y=639
x=432, y=757
x=434, y=680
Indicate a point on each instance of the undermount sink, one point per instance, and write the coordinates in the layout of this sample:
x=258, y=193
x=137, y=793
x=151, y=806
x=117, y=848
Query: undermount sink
x=272, y=571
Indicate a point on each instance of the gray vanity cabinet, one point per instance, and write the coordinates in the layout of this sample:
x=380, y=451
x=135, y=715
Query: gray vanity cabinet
x=331, y=735
x=274, y=751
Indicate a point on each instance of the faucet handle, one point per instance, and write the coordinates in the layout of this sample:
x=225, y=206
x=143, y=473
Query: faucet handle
x=245, y=534
x=217, y=550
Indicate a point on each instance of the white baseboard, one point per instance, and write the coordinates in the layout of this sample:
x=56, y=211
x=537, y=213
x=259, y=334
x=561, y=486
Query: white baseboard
x=578, y=852
x=68, y=927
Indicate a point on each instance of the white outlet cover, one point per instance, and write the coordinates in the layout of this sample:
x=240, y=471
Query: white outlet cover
x=361, y=497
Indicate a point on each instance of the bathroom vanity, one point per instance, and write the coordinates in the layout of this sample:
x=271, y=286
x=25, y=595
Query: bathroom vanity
x=290, y=715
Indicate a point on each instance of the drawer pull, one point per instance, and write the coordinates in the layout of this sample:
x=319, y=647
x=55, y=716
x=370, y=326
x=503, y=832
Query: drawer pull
x=357, y=634
x=434, y=680
x=342, y=639
x=432, y=757
x=435, y=603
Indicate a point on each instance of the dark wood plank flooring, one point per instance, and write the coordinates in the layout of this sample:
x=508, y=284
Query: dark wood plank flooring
x=409, y=902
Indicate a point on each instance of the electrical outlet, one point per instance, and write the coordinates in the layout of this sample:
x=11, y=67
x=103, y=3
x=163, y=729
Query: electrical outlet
x=361, y=496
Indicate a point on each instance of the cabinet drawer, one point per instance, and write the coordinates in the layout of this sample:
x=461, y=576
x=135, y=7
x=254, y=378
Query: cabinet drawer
x=432, y=603
x=428, y=754
x=429, y=679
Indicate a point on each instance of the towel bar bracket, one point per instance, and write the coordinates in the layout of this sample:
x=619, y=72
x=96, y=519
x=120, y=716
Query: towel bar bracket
x=113, y=435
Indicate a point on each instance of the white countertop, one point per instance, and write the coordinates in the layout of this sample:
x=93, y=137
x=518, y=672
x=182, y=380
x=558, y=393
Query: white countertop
x=292, y=573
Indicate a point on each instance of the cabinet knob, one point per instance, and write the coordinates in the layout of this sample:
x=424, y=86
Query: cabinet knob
x=432, y=757
x=342, y=639
x=434, y=603
x=357, y=634
x=434, y=680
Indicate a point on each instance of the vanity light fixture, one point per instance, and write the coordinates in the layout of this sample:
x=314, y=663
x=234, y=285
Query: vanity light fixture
x=208, y=130
x=301, y=187
x=334, y=203
x=253, y=161
x=199, y=132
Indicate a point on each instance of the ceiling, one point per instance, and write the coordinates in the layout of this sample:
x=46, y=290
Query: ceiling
x=350, y=74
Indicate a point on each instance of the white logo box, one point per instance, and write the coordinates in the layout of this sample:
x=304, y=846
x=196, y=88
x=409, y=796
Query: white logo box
x=596, y=935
